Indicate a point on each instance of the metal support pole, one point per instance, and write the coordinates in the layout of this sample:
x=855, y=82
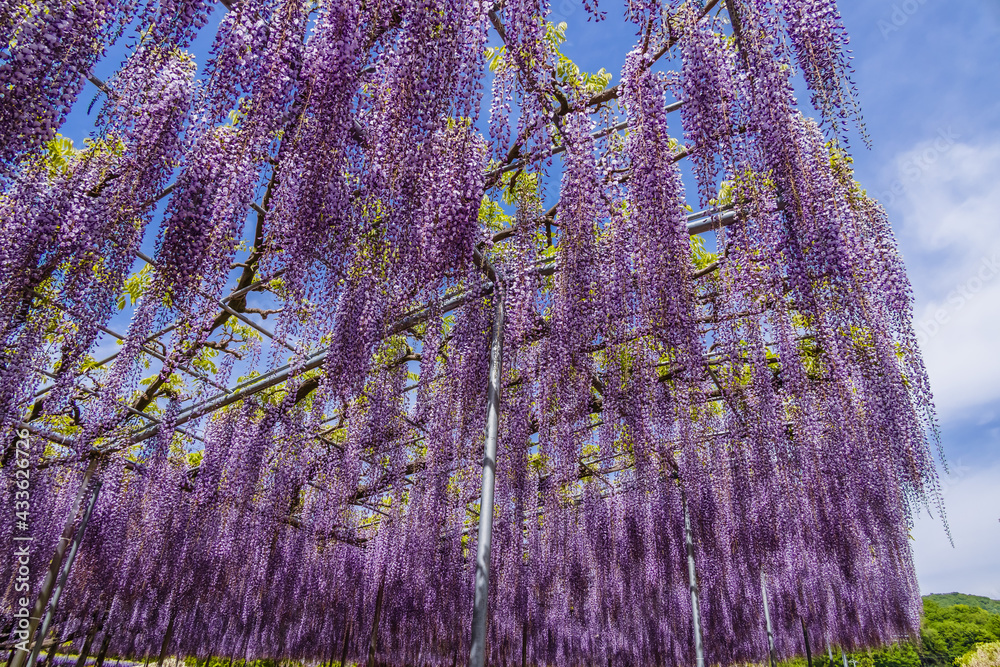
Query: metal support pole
x=64, y=575
x=42, y=601
x=843, y=653
x=333, y=652
x=103, y=651
x=699, y=649
x=524, y=644
x=477, y=653
x=767, y=621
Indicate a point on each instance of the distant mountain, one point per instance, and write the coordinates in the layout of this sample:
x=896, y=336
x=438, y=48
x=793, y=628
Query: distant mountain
x=951, y=599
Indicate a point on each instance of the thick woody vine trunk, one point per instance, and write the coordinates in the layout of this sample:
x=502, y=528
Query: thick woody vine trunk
x=167, y=636
x=805, y=635
x=85, y=651
x=104, y=650
x=373, y=644
x=347, y=639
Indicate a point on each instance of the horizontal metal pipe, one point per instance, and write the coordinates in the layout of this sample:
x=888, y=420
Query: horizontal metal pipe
x=712, y=223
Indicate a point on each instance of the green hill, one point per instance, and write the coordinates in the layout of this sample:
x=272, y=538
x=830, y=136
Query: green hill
x=948, y=632
x=951, y=599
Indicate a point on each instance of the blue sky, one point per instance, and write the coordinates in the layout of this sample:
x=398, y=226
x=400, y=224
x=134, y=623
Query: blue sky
x=928, y=84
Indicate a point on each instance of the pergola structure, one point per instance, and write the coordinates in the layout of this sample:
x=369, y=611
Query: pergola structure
x=748, y=348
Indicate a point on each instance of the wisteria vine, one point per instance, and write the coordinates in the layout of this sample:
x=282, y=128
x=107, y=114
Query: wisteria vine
x=331, y=165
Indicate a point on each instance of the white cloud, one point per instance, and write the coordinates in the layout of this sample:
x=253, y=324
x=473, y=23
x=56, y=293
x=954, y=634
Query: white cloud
x=945, y=197
x=973, y=505
x=945, y=204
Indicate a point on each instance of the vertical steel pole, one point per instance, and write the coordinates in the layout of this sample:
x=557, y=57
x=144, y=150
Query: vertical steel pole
x=333, y=652
x=103, y=651
x=64, y=575
x=699, y=649
x=524, y=644
x=42, y=601
x=767, y=621
x=477, y=653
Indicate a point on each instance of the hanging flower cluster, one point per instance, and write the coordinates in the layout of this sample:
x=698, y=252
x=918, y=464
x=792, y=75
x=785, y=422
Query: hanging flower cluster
x=50, y=47
x=72, y=221
x=741, y=426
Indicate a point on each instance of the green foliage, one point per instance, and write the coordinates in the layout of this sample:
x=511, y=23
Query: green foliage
x=194, y=458
x=900, y=655
x=947, y=633
x=135, y=285
x=203, y=360
x=567, y=72
x=494, y=57
x=243, y=333
x=173, y=386
x=59, y=154
x=519, y=185
x=952, y=599
x=725, y=196
x=492, y=216
x=701, y=257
